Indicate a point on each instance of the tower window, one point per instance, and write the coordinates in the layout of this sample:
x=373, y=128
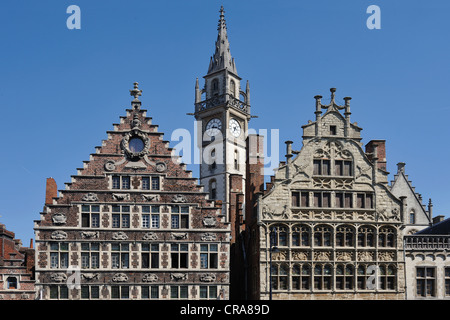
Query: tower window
x=236, y=160
x=215, y=87
x=232, y=88
x=212, y=189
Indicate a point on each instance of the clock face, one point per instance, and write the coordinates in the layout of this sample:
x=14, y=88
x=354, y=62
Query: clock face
x=213, y=127
x=235, y=128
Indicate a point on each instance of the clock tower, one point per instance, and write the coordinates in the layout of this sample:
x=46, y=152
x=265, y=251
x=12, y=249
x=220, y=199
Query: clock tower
x=222, y=111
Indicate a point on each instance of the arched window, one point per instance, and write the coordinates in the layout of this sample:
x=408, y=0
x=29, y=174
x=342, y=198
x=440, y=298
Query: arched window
x=278, y=236
x=386, y=237
x=300, y=236
x=215, y=87
x=322, y=277
x=12, y=282
x=322, y=236
x=301, y=277
x=236, y=160
x=345, y=277
x=280, y=276
x=344, y=236
x=412, y=217
x=366, y=237
x=213, y=164
x=213, y=189
x=232, y=88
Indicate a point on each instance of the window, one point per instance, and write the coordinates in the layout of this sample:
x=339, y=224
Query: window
x=363, y=278
x=322, y=236
x=322, y=199
x=121, y=182
x=387, y=276
x=344, y=237
x=212, y=189
x=11, y=283
x=208, y=256
x=120, y=292
x=150, y=292
x=90, y=292
x=145, y=183
x=232, y=88
x=344, y=277
x=321, y=167
x=412, y=217
x=155, y=183
x=120, y=216
x=59, y=292
x=343, y=168
x=300, y=199
x=364, y=200
x=236, y=160
x=59, y=255
x=178, y=292
x=322, y=277
x=150, y=255
x=150, y=217
x=90, y=216
x=279, y=276
x=386, y=237
x=90, y=255
x=366, y=237
x=278, y=236
x=179, y=255
x=180, y=217
x=120, y=256
x=300, y=236
x=447, y=281
x=425, y=281
x=208, y=292
x=301, y=277
x=333, y=130
x=343, y=200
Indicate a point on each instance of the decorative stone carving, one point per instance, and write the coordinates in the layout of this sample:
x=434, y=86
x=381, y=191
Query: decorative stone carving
x=135, y=133
x=322, y=256
x=279, y=256
x=119, y=235
x=150, y=236
x=58, y=277
x=209, y=221
x=89, y=234
x=161, y=167
x=278, y=211
x=110, y=165
x=179, y=198
x=150, y=277
x=90, y=276
x=120, y=277
x=207, y=277
x=179, y=236
x=365, y=256
x=59, y=218
x=121, y=196
x=135, y=123
x=344, y=256
x=91, y=197
x=151, y=197
x=178, y=276
x=385, y=256
x=208, y=237
x=58, y=235
x=384, y=215
x=300, y=255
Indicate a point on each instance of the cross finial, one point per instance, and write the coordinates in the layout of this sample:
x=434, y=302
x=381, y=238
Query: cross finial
x=136, y=92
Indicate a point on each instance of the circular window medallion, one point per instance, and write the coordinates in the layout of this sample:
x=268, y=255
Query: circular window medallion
x=135, y=144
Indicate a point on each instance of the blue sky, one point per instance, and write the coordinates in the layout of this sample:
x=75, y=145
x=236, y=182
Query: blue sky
x=61, y=89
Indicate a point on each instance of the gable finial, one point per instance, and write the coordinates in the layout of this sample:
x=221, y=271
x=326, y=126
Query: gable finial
x=136, y=92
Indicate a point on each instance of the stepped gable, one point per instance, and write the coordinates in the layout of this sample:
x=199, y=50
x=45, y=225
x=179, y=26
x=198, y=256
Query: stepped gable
x=134, y=148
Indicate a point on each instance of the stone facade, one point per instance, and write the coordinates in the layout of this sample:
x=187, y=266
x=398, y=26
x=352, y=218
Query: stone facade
x=16, y=268
x=132, y=224
x=328, y=223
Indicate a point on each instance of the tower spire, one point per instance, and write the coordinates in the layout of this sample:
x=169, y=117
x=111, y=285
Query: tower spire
x=222, y=57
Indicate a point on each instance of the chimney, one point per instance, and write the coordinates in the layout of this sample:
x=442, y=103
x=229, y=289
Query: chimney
x=51, y=191
x=31, y=243
x=378, y=147
x=438, y=219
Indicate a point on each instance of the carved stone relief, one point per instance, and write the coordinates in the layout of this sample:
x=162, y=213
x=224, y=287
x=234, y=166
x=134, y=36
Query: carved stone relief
x=59, y=218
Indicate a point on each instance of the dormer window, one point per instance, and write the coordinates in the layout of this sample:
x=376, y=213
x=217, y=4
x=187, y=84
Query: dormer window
x=332, y=130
